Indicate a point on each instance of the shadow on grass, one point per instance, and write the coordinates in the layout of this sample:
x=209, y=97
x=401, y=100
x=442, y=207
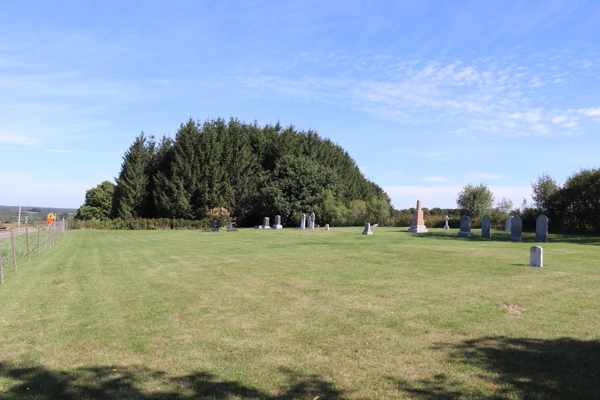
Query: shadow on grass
x=114, y=382
x=518, y=368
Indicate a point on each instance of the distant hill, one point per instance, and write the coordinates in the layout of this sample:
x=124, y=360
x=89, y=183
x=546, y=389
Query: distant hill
x=35, y=215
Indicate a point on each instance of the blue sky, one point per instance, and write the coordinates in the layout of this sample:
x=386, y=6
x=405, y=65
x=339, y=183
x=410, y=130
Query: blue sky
x=425, y=96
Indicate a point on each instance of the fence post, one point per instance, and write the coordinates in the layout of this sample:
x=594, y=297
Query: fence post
x=1, y=268
x=14, y=250
x=45, y=239
x=27, y=240
x=38, y=240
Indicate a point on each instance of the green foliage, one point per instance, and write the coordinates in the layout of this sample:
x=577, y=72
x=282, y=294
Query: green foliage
x=475, y=200
x=576, y=205
x=131, y=198
x=249, y=170
x=140, y=224
x=504, y=206
x=543, y=190
x=98, y=202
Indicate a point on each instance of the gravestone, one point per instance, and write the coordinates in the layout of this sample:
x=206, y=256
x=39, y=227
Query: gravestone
x=277, y=224
x=515, y=228
x=367, y=230
x=446, y=227
x=265, y=224
x=536, y=256
x=302, y=221
x=541, y=229
x=418, y=224
x=326, y=227
x=309, y=222
x=465, y=227
x=229, y=226
x=508, y=224
x=215, y=226
x=314, y=220
x=486, y=227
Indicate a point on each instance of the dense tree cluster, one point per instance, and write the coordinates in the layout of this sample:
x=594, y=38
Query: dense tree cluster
x=573, y=206
x=250, y=170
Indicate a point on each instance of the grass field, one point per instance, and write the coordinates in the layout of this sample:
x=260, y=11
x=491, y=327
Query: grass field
x=291, y=314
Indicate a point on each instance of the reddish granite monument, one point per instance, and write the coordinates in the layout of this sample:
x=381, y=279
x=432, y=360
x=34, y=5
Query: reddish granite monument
x=418, y=224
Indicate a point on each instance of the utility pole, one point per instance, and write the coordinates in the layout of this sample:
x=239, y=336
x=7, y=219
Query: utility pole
x=20, y=204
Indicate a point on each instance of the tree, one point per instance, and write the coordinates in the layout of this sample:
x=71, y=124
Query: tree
x=504, y=206
x=131, y=193
x=297, y=185
x=543, y=190
x=576, y=205
x=475, y=201
x=98, y=202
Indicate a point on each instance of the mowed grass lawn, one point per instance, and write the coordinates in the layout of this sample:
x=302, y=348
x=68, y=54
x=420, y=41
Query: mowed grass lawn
x=291, y=314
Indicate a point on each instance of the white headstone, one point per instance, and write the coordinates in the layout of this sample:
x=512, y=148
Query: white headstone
x=277, y=224
x=367, y=230
x=446, y=227
x=265, y=224
x=536, y=256
x=313, y=219
x=302, y=221
x=326, y=227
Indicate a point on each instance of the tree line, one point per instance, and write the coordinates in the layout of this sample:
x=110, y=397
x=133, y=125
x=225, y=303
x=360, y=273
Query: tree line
x=252, y=171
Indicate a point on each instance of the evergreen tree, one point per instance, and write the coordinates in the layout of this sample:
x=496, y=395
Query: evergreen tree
x=131, y=192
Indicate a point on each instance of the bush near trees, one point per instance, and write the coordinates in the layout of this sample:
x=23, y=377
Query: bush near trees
x=98, y=203
x=252, y=171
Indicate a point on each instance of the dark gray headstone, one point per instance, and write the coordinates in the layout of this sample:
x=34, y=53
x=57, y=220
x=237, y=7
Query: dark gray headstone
x=215, y=225
x=541, y=229
x=508, y=224
x=278, y=220
x=465, y=226
x=266, y=223
x=486, y=226
x=516, y=228
x=303, y=221
x=367, y=230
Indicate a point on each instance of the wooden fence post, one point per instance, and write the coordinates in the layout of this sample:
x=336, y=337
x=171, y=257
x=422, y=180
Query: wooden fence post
x=14, y=249
x=1, y=268
x=38, y=240
x=27, y=240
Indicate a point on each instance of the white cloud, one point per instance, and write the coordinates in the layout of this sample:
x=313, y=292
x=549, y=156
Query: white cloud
x=559, y=119
x=590, y=112
x=529, y=116
x=18, y=139
x=571, y=124
x=434, y=179
x=541, y=128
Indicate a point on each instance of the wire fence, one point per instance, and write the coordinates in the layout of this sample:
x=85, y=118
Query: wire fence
x=24, y=242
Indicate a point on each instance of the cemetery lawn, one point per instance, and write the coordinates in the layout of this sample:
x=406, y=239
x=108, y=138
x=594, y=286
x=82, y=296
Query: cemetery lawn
x=300, y=314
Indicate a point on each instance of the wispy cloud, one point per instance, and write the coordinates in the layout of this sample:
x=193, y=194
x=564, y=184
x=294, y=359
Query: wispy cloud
x=434, y=179
x=18, y=139
x=58, y=151
x=590, y=112
x=493, y=96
